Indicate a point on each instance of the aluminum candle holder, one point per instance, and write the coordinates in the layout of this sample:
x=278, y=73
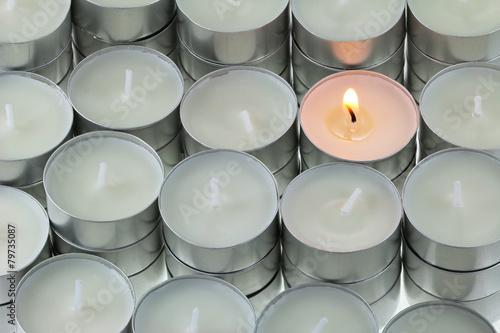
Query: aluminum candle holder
x=261, y=298
x=37, y=191
x=285, y=175
x=414, y=84
x=57, y=68
x=149, y=277
x=172, y=153
x=121, y=23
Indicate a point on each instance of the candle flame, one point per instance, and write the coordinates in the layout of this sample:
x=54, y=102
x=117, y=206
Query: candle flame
x=351, y=103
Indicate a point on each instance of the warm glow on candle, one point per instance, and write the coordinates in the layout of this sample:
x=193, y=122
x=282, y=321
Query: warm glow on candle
x=350, y=122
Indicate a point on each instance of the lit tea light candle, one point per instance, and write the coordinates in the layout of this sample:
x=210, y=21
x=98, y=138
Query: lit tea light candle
x=118, y=178
x=344, y=214
x=443, y=197
x=220, y=201
x=36, y=118
x=317, y=308
x=465, y=115
x=92, y=295
x=194, y=304
x=128, y=88
x=336, y=127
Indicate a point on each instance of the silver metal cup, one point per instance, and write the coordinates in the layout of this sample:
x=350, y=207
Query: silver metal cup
x=37, y=191
x=414, y=84
x=172, y=153
x=261, y=298
x=286, y=174
x=149, y=277
x=386, y=307
x=121, y=23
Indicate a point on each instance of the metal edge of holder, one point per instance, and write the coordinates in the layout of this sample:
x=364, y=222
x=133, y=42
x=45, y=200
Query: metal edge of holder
x=275, y=154
x=226, y=259
x=149, y=277
x=27, y=171
x=386, y=307
x=56, y=69
x=350, y=54
x=227, y=47
x=163, y=41
x=452, y=49
x=22, y=56
x=197, y=67
x=438, y=281
x=130, y=259
x=262, y=297
x=286, y=174
x=102, y=234
x=448, y=257
x=414, y=84
x=310, y=71
x=172, y=153
x=248, y=280
x=371, y=289
x=122, y=24
x=156, y=134
x=37, y=191
x=280, y=299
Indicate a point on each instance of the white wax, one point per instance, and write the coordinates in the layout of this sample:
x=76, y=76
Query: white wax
x=29, y=20
x=458, y=17
x=240, y=109
x=232, y=15
x=124, y=3
x=439, y=318
x=247, y=195
x=312, y=208
x=169, y=308
x=132, y=181
x=97, y=88
x=348, y=20
x=45, y=301
x=29, y=222
x=301, y=310
x=42, y=117
x=429, y=192
x=448, y=104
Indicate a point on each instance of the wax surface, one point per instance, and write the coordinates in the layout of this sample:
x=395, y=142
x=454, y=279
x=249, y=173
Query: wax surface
x=394, y=116
x=124, y=3
x=132, y=182
x=347, y=20
x=45, y=301
x=97, y=88
x=22, y=214
x=42, y=117
x=302, y=310
x=312, y=204
x=211, y=111
x=447, y=106
x=428, y=198
x=29, y=20
x=232, y=15
x=247, y=195
x=170, y=308
x=439, y=319
x=458, y=17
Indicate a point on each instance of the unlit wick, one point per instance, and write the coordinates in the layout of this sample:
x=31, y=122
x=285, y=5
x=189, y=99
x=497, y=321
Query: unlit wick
x=457, y=194
x=214, y=193
x=193, y=326
x=128, y=83
x=478, y=108
x=9, y=116
x=101, y=175
x=347, y=208
x=322, y=323
x=245, y=116
x=77, y=305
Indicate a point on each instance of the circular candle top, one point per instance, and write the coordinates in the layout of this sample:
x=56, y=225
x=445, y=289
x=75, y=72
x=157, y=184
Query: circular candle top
x=312, y=207
x=390, y=108
x=125, y=87
x=245, y=205
x=26, y=20
x=35, y=116
x=448, y=105
x=124, y=3
x=23, y=220
x=434, y=317
x=429, y=193
x=130, y=181
x=341, y=20
x=169, y=307
x=465, y=18
x=333, y=308
x=45, y=300
x=232, y=15
x=239, y=108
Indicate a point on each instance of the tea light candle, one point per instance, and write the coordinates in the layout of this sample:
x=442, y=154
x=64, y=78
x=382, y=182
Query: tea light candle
x=459, y=108
x=443, y=197
x=74, y=292
x=220, y=201
x=242, y=108
x=35, y=117
x=376, y=125
x=194, y=304
x=128, y=88
x=346, y=211
x=317, y=308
